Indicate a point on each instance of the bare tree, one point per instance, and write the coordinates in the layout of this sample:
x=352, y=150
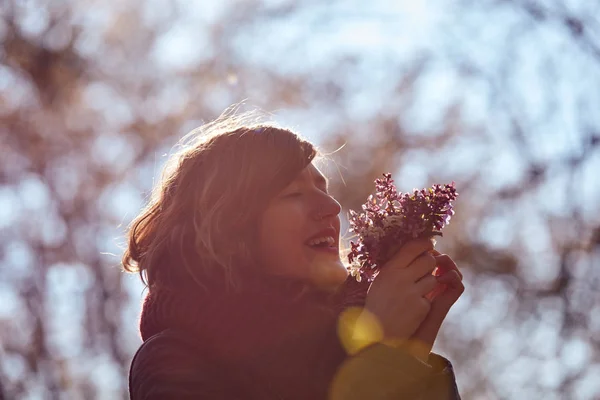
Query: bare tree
x=501, y=98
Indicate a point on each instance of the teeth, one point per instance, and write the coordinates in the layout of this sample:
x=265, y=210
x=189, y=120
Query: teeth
x=319, y=240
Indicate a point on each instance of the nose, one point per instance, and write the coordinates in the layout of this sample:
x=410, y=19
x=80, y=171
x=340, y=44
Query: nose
x=326, y=207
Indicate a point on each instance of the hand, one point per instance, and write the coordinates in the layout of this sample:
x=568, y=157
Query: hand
x=396, y=296
x=451, y=278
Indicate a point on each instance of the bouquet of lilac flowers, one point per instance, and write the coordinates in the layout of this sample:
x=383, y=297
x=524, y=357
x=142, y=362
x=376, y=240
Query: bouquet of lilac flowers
x=390, y=219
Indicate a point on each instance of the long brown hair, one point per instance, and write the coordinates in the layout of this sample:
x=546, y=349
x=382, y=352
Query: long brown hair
x=203, y=214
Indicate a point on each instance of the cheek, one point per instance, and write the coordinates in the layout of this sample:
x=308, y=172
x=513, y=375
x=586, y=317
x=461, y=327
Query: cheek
x=281, y=242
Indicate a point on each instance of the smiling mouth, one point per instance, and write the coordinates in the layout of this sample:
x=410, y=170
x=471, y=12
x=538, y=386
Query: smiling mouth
x=325, y=248
x=324, y=241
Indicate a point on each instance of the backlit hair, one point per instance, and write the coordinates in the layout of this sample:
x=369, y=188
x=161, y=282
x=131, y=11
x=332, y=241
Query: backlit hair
x=202, y=217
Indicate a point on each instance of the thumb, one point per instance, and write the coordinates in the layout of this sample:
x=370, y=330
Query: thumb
x=450, y=278
x=454, y=288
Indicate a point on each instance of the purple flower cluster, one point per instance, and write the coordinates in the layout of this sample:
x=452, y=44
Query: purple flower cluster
x=391, y=218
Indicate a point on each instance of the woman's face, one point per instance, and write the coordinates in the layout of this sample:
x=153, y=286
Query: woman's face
x=299, y=232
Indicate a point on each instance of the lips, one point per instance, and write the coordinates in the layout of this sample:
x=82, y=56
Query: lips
x=324, y=233
x=325, y=247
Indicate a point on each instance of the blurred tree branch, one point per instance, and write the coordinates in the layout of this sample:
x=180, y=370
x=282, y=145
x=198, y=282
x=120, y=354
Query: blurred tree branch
x=91, y=98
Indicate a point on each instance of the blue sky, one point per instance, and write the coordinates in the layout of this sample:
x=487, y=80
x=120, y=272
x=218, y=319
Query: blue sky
x=385, y=36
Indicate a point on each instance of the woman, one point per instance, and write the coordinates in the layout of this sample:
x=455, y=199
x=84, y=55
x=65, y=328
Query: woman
x=239, y=248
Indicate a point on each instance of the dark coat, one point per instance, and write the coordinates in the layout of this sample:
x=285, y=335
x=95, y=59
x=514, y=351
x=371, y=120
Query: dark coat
x=270, y=341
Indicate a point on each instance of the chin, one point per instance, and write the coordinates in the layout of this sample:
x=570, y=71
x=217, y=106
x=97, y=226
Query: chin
x=328, y=275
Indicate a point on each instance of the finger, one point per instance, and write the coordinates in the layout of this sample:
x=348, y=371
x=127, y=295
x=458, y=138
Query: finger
x=426, y=285
x=409, y=252
x=447, y=264
x=421, y=267
x=452, y=279
x=437, y=291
